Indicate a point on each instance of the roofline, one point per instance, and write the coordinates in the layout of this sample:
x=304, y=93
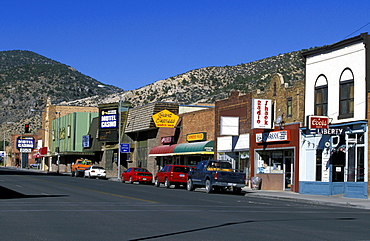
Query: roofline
x=363, y=37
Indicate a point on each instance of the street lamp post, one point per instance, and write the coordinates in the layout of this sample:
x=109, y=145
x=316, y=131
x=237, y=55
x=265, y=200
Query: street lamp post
x=119, y=130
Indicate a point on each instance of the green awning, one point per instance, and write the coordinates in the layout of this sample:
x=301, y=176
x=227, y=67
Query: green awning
x=203, y=147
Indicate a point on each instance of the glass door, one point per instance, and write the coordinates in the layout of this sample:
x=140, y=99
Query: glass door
x=288, y=170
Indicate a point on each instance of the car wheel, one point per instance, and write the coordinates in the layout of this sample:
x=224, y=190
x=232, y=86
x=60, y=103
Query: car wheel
x=156, y=183
x=130, y=181
x=167, y=183
x=190, y=185
x=208, y=186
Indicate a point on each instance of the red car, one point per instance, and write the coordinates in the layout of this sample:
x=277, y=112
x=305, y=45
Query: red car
x=172, y=174
x=137, y=174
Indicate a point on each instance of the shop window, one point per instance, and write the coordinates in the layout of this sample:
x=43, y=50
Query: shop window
x=356, y=158
x=289, y=106
x=270, y=162
x=321, y=96
x=346, y=95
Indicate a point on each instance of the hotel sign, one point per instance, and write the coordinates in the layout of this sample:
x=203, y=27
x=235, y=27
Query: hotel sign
x=165, y=118
x=109, y=118
x=273, y=136
x=261, y=114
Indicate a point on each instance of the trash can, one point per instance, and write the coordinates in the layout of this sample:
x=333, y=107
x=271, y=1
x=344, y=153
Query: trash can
x=256, y=183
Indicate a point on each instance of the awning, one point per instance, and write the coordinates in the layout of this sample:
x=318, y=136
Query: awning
x=164, y=150
x=203, y=147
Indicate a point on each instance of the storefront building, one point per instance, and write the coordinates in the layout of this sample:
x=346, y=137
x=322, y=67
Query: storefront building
x=141, y=128
x=277, y=115
x=334, y=158
x=191, y=141
x=233, y=124
x=66, y=144
x=103, y=137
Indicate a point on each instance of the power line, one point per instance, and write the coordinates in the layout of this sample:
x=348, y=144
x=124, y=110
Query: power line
x=357, y=30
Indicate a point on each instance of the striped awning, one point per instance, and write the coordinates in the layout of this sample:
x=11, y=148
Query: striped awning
x=164, y=150
x=194, y=148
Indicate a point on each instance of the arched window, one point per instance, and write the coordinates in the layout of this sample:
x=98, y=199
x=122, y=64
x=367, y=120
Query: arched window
x=346, y=94
x=321, y=96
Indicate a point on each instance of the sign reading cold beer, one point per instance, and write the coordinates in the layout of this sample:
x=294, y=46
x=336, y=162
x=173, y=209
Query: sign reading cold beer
x=261, y=114
x=165, y=118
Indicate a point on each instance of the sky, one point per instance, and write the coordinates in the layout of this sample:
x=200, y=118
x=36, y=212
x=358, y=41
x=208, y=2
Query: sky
x=130, y=44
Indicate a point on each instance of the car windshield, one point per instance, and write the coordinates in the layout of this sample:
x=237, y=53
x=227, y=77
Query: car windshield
x=140, y=170
x=181, y=169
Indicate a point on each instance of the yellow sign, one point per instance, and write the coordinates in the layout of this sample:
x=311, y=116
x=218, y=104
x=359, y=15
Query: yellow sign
x=165, y=118
x=196, y=137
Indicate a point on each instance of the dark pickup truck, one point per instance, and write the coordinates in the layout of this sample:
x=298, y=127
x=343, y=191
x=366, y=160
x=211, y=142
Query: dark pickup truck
x=215, y=175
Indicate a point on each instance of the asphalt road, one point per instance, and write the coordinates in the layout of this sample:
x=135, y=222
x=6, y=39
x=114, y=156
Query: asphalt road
x=37, y=206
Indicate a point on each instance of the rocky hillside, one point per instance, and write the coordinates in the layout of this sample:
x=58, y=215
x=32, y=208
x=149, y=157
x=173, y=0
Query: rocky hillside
x=27, y=79
x=211, y=83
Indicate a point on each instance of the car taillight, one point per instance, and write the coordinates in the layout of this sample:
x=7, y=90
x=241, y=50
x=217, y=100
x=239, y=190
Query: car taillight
x=92, y=170
x=216, y=176
x=105, y=172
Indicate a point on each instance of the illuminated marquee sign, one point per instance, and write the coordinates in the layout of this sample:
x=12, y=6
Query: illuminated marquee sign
x=261, y=114
x=25, y=142
x=109, y=118
x=273, y=136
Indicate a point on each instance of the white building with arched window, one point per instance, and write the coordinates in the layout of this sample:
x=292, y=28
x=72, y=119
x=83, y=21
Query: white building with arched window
x=334, y=160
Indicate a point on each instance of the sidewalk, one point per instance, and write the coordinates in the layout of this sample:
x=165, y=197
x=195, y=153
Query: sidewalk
x=334, y=200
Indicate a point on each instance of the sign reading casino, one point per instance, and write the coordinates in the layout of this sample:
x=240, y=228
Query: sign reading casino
x=109, y=118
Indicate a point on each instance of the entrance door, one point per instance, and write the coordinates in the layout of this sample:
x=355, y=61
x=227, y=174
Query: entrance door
x=288, y=169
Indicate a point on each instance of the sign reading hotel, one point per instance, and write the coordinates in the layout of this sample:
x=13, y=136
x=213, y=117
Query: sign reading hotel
x=165, y=118
x=109, y=118
x=261, y=114
x=317, y=122
x=273, y=136
x=202, y=136
x=25, y=144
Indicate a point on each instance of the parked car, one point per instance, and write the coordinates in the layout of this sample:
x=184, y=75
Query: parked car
x=172, y=175
x=34, y=165
x=137, y=174
x=95, y=171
